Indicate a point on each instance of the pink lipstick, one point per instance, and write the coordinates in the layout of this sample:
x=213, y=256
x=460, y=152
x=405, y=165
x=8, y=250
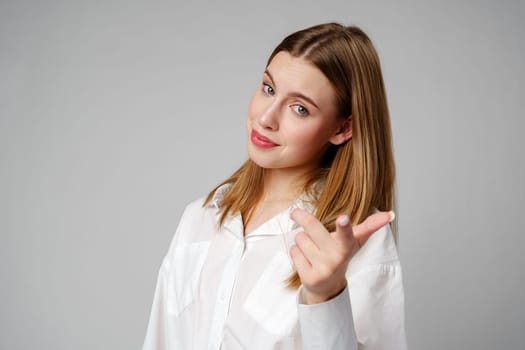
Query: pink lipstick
x=261, y=141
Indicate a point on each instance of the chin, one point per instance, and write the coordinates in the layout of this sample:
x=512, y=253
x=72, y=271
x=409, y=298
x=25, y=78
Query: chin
x=258, y=160
x=262, y=160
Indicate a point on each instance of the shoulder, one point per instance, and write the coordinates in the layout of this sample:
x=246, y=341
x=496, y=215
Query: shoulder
x=196, y=211
x=200, y=218
x=197, y=223
x=194, y=207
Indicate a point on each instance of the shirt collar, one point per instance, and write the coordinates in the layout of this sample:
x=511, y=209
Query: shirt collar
x=278, y=225
x=218, y=196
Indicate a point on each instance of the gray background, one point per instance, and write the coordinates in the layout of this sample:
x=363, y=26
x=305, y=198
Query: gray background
x=115, y=114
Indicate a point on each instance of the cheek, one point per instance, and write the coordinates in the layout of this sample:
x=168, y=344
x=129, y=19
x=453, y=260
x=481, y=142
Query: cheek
x=254, y=108
x=250, y=115
x=311, y=137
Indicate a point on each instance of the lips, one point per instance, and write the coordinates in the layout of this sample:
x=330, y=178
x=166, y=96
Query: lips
x=261, y=141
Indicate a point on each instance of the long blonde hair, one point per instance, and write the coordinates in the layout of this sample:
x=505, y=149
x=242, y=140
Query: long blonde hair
x=359, y=174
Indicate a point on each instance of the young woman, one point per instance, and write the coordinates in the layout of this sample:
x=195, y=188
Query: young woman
x=295, y=250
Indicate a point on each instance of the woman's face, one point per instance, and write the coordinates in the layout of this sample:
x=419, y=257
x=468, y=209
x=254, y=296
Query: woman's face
x=292, y=117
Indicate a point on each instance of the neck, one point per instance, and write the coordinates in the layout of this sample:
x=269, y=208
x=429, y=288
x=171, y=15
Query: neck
x=280, y=185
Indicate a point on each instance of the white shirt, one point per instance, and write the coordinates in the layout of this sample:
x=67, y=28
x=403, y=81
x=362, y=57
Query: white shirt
x=218, y=289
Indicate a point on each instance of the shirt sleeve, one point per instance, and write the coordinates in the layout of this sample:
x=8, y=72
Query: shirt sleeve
x=378, y=307
x=328, y=325
x=157, y=332
x=177, y=280
x=368, y=314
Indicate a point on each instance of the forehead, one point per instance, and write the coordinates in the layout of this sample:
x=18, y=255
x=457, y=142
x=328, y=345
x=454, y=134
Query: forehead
x=297, y=75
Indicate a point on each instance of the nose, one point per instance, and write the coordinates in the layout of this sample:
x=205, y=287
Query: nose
x=269, y=118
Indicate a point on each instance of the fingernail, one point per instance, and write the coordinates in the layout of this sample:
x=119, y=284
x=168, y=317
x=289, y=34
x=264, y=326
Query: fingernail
x=392, y=215
x=343, y=220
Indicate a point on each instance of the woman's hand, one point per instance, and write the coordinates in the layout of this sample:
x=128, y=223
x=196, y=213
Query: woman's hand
x=321, y=257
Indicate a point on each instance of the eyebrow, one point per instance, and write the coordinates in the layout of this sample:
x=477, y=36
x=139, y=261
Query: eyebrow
x=294, y=94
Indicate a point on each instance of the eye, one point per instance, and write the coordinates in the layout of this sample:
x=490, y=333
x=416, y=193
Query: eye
x=300, y=109
x=268, y=89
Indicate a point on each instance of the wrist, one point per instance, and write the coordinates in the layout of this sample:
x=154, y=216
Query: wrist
x=311, y=297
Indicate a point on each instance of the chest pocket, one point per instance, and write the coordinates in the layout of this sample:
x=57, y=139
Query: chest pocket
x=271, y=303
x=183, y=278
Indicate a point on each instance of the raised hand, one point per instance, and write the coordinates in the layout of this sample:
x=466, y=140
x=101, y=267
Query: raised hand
x=321, y=257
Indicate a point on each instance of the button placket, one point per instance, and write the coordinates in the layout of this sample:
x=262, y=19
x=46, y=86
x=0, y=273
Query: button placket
x=225, y=291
